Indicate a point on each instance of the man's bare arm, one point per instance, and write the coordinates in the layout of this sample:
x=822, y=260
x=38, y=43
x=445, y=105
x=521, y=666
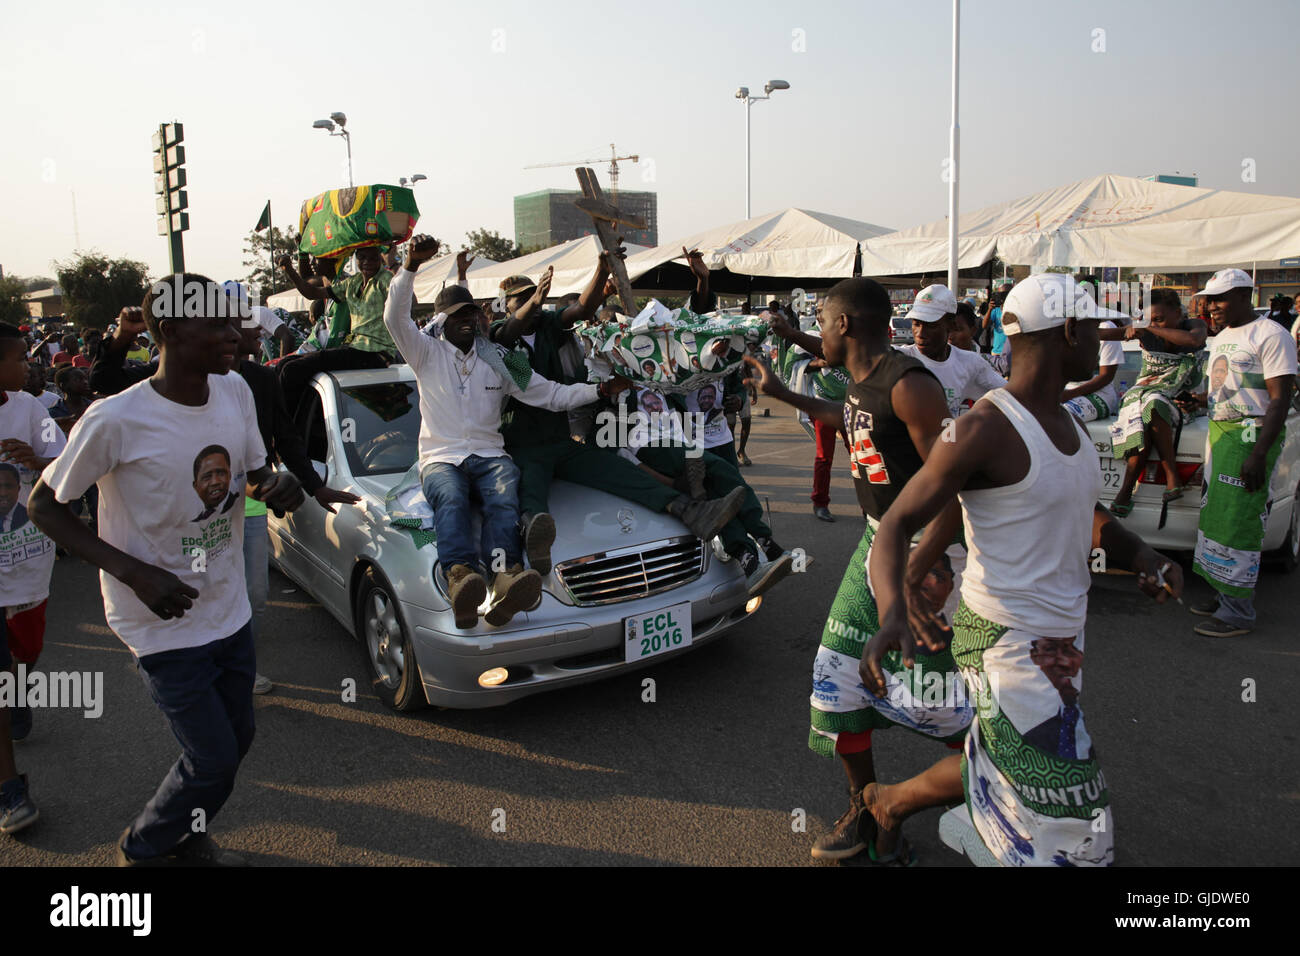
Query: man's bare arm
x=828, y=413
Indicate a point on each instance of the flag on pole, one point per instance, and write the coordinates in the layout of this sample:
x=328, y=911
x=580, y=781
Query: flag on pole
x=264, y=222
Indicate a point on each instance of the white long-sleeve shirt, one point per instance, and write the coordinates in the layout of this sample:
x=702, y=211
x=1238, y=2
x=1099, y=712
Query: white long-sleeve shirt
x=460, y=413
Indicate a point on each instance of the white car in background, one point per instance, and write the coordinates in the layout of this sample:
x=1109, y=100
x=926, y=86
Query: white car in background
x=1282, y=534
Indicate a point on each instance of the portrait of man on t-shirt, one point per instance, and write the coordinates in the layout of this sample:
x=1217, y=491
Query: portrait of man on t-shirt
x=212, y=481
x=707, y=399
x=12, y=513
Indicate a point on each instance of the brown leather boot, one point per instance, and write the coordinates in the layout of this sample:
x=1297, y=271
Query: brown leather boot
x=513, y=590
x=467, y=590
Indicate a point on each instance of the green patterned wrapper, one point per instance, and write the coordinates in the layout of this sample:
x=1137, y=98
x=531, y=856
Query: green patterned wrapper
x=337, y=222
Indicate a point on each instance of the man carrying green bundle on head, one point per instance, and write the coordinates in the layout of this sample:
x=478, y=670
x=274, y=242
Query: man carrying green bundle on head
x=366, y=343
x=1252, y=369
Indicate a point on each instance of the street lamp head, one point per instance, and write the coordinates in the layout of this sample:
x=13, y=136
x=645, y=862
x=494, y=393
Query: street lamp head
x=742, y=93
x=402, y=180
x=771, y=85
x=339, y=118
x=417, y=177
x=323, y=124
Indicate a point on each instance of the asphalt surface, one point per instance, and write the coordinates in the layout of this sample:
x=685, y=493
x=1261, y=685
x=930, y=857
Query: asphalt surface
x=715, y=771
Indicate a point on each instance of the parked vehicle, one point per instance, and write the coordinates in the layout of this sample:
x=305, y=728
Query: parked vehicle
x=1282, y=533
x=900, y=329
x=628, y=585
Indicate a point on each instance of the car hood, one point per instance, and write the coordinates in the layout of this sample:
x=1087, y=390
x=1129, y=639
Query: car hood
x=586, y=521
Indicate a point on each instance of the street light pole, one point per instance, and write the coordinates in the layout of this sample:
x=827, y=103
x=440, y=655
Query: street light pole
x=954, y=147
x=743, y=95
x=328, y=125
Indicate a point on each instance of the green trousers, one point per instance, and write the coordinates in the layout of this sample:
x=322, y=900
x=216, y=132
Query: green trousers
x=727, y=452
x=720, y=476
x=583, y=465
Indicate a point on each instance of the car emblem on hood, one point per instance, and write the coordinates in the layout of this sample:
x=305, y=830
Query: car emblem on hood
x=625, y=520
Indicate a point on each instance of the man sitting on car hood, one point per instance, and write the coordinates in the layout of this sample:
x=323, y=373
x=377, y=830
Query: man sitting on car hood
x=464, y=382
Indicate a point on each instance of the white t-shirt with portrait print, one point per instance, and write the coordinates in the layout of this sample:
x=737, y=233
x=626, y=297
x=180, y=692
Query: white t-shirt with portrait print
x=26, y=554
x=651, y=422
x=143, y=451
x=716, y=430
x=1241, y=360
x=963, y=375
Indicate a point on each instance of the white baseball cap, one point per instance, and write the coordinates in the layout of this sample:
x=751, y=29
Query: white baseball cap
x=1045, y=301
x=1226, y=279
x=933, y=303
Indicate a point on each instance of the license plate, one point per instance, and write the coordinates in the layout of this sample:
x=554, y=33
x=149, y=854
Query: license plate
x=656, y=632
x=1112, y=475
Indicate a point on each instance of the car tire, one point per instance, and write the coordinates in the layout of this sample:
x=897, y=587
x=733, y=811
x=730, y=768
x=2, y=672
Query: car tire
x=386, y=646
x=1288, y=556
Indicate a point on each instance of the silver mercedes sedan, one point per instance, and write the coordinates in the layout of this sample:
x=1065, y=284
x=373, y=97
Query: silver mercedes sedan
x=629, y=586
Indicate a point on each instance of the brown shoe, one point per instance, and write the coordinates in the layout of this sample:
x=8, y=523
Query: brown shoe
x=513, y=590
x=467, y=590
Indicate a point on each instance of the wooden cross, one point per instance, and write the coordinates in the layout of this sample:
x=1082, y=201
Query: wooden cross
x=605, y=215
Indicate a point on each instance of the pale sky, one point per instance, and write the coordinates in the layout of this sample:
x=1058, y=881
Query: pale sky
x=469, y=94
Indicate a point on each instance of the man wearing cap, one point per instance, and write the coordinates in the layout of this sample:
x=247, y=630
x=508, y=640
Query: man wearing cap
x=963, y=375
x=464, y=381
x=893, y=413
x=1255, y=362
x=366, y=344
x=1027, y=477
x=539, y=442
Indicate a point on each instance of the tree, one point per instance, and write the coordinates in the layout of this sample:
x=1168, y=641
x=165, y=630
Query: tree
x=264, y=248
x=13, y=308
x=492, y=245
x=96, y=288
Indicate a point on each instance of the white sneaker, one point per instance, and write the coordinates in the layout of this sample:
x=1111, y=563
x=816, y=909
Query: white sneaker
x=261, y=685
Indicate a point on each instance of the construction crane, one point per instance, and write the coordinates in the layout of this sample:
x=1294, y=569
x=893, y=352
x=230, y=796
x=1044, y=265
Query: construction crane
x=613, y=167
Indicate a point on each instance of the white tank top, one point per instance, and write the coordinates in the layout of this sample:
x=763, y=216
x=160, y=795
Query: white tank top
x=1029, y=543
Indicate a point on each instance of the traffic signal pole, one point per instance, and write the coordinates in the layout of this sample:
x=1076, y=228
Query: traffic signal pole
x=169, y=183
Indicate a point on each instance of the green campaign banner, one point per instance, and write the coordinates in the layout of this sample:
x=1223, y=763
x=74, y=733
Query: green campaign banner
x=337, y=222
x=676, y=352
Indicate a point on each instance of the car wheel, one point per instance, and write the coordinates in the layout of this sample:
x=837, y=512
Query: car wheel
x=1288, y=556
x=386, y=645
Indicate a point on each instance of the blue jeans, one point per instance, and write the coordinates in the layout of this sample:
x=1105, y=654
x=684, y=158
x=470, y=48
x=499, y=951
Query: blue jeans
x=206, y=694
x=255, y=574
x=495, y=483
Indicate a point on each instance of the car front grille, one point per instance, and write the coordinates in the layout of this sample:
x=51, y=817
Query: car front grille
x=630, y=573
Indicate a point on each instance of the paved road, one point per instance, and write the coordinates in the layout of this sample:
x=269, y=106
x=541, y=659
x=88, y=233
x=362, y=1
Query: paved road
x=710, y=773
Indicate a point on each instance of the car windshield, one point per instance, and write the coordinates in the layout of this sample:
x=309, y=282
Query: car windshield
x=380, y=427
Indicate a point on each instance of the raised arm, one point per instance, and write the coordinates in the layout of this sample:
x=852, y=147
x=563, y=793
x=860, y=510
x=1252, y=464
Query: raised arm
x=108, y=373
x=701, y=300
x=1193, y=337
x=412, y=343
x=524, y=321
x=782, y=328
x=828, y=413
x=305, y=289
x=592, y=296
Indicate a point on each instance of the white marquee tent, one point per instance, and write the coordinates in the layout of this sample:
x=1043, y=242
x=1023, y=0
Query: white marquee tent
x=793, y=243
x=439, y=272
x=574, y=262
x=1104, y=221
